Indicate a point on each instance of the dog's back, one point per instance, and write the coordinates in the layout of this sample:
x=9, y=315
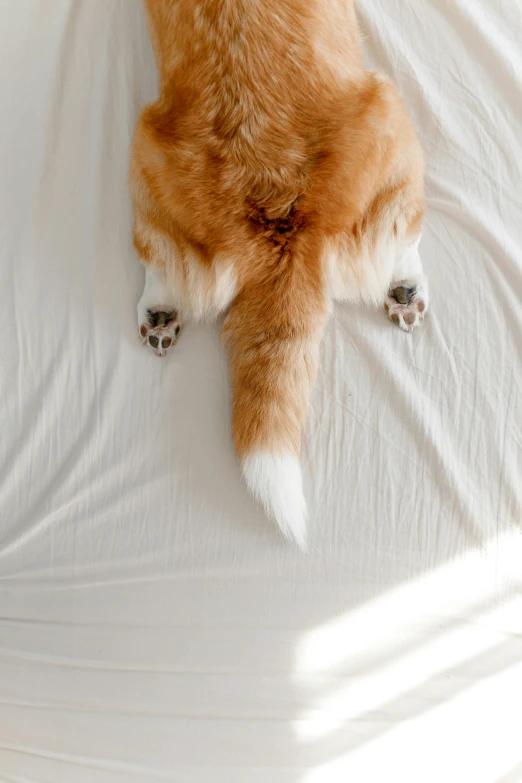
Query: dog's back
x=260, y=123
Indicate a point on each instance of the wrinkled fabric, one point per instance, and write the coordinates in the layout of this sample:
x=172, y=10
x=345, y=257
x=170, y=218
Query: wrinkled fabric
x=153, y=626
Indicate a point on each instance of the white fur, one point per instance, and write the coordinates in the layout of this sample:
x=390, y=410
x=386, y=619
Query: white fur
x=408, y=268
x=364, y=277
x=203, y=291
x=361, y=272
x=408, y=271
x=206, y=291
x=156, y=294
x=200, y=292
x=275, y=480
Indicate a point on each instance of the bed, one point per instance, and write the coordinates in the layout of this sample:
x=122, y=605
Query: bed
x=153, y=625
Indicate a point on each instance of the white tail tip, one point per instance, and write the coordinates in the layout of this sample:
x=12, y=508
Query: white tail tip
x=275, y=481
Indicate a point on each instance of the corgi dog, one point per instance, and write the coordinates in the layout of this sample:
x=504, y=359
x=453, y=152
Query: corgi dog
x=272, y=176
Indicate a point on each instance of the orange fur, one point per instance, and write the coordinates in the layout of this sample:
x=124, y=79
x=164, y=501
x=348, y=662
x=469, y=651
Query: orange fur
x=273, y=161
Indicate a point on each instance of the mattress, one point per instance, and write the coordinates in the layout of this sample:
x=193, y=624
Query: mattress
x=153, y=625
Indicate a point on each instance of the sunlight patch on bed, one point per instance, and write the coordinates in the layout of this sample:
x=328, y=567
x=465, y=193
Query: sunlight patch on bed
x=451, y=589
x=413, y=643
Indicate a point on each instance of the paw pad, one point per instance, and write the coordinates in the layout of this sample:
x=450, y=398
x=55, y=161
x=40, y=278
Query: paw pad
x=406, y=305
x=160, y=331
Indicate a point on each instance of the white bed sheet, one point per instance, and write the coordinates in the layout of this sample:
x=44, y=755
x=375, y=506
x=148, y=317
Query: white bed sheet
x=153, y=626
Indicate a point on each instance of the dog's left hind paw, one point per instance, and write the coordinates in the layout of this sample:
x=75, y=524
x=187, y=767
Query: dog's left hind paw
x=160, y=330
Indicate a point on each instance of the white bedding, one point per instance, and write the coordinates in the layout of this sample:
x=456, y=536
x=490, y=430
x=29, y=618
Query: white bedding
x=153, y=625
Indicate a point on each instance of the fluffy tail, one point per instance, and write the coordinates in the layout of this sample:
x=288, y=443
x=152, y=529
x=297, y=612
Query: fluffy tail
x=273, y=333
